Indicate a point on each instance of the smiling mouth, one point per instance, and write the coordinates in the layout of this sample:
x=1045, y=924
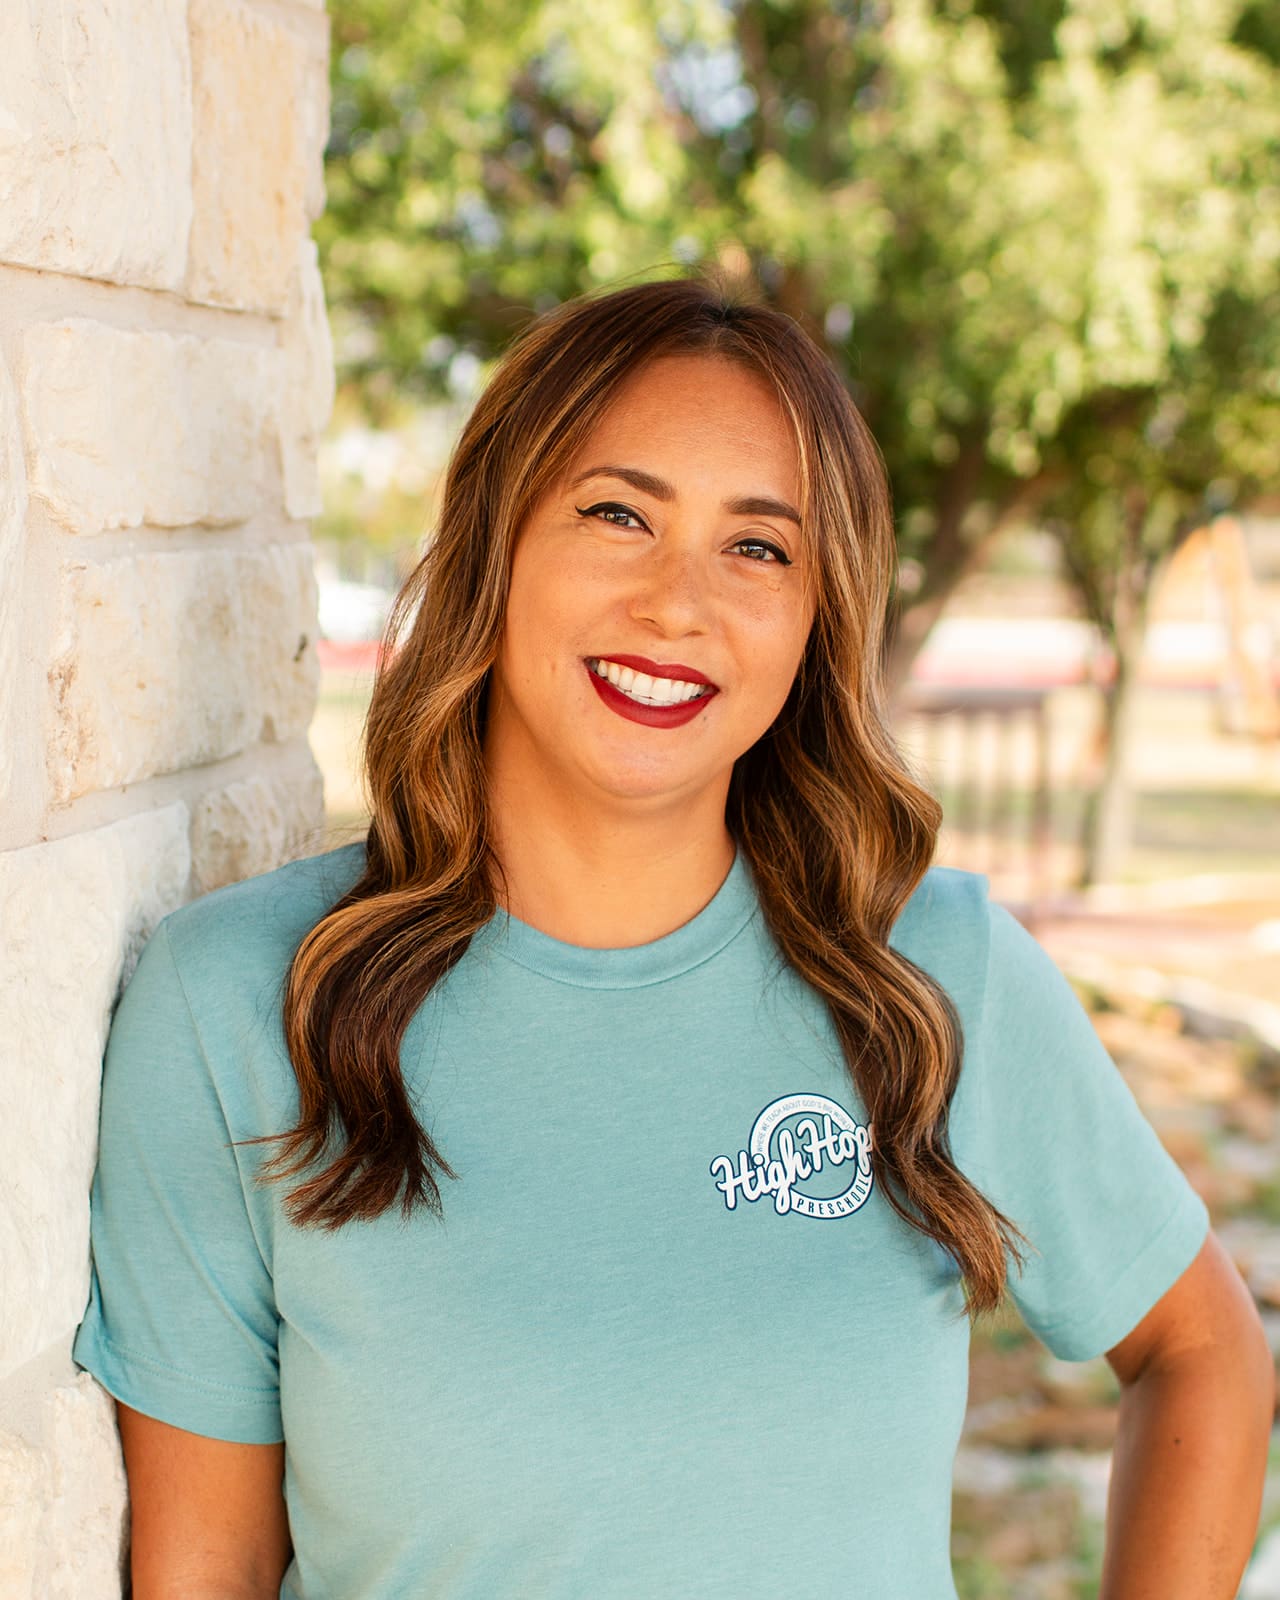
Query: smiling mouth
x=646, y=690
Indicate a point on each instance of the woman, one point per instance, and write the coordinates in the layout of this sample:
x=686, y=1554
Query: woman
x=578, y=1188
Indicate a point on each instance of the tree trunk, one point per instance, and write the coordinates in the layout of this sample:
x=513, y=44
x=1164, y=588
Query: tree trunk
x=911, y=629
x=1109, y=812
x=950, y=557
x=1110, y=808
x=946, y=562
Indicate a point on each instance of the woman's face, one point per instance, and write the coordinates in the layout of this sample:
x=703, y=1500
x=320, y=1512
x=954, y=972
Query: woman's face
x=659, y=601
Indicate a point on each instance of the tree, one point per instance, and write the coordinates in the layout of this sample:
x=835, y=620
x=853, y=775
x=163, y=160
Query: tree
x=1180, y=418
x=486, y=161
x=862, y=167
x=1013, y=223
x=1152, y=468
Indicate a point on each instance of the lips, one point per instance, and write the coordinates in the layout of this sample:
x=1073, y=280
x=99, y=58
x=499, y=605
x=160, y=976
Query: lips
x=672, y=716
x=660, y=669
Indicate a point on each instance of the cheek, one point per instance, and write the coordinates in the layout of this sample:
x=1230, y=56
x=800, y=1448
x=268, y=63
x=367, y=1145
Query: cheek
x=775, y=640
x=554, y=608
x=566, y=594
x=518, y=646
x=533, y=604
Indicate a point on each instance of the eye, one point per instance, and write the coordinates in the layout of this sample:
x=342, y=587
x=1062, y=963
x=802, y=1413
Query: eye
x=609, y=511
x=764, y=551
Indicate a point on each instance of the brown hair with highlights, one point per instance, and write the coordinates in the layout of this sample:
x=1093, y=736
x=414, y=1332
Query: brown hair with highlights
x=836, y=832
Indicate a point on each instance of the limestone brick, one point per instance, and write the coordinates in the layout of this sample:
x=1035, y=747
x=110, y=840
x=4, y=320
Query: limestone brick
x=175, y=658
x=307, y=398
x=257, y=824
x=85, y=1519
x=24, y=1479
x=62, y=1500
x=95, y=139
x=260, y=110
x=13, y=516
x=152, y=145
x=66, y=954
x=130, y=427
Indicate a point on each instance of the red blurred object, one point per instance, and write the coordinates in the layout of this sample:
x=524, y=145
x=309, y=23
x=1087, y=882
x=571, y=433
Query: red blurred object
x=359, y=657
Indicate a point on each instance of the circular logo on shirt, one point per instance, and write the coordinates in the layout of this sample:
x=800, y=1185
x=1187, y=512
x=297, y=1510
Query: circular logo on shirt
x=798, y=1144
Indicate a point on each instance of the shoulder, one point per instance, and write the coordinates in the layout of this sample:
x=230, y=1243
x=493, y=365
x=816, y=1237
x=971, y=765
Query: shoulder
x=946, y=903
x=199, y=1021
x=242, y=938
x=945, y=929
x=274, y=908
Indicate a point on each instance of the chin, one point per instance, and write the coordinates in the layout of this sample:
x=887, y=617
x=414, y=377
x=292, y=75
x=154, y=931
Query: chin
x=640, y=783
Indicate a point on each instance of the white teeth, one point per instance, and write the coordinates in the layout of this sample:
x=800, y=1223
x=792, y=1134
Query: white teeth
x=646, y=690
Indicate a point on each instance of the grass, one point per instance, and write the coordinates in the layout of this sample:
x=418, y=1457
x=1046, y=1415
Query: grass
x=1177, y=832
x=1265, y=1202
x=978, y=1578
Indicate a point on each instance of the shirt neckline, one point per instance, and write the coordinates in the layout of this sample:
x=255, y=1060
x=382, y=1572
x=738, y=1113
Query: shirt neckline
x=630, y=966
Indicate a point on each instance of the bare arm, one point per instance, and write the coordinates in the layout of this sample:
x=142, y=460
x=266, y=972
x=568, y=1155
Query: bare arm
x=208, y=1517
x=1196, y=1407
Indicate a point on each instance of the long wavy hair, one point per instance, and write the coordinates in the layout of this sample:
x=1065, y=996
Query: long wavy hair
x=836, y=832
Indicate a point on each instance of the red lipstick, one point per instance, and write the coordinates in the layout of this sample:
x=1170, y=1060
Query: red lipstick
x=660, y=669
x=649, y=716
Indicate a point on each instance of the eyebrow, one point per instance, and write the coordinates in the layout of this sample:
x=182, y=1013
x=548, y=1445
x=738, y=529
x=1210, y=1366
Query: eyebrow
x=747, y=505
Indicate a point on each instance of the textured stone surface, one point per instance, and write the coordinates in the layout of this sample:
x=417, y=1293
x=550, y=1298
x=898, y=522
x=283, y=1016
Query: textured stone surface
x=73, y=916
x=13, y=513
x=257, y=824
x=86, y=1515
x=95, y=139
x=172, y=659
x=174, y=146
x=125, y=428
x=307, y=397
x=261, y=110
x=24, y=1480
x=62, y=1501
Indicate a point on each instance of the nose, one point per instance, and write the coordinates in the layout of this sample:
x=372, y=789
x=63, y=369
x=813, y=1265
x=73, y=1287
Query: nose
x=674, y=590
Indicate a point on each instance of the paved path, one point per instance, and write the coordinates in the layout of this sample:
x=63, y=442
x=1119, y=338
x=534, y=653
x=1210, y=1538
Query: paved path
x=1233, y=948
x=1060, y=650
x=1218, y=964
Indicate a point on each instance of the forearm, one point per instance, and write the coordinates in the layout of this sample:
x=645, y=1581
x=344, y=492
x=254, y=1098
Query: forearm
x=1186, y=1479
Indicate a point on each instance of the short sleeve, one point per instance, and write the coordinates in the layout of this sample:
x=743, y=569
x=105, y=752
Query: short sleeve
x=1067, y=1155
x=181, y=1323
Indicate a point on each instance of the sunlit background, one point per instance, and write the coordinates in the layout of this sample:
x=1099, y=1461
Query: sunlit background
x=1041, y=242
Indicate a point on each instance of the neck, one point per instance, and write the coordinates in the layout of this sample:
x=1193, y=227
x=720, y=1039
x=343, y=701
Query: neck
x=606, y=876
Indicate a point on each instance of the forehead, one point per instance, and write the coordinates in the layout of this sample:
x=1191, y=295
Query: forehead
x=699, y=406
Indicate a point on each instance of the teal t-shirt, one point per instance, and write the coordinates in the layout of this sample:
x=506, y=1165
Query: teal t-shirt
x=669, y=1338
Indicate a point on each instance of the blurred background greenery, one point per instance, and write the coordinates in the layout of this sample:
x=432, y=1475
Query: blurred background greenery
x=1040, y=239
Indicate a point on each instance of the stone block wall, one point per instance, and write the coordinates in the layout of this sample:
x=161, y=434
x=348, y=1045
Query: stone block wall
x=165, y=373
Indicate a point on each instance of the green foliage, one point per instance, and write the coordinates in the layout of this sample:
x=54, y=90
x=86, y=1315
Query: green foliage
x=1040, y=238
x=486, y=161
x=1180, y=418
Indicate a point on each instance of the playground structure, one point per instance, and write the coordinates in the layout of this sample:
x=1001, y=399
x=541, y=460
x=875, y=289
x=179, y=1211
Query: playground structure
x=982, y=715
